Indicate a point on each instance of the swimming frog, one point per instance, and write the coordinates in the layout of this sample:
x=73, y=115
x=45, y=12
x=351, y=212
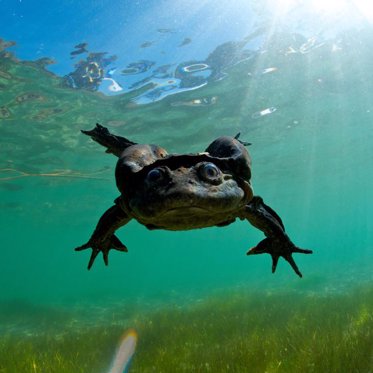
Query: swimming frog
x=186, y=191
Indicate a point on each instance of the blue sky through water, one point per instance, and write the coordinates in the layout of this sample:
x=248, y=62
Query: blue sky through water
x=52, y=29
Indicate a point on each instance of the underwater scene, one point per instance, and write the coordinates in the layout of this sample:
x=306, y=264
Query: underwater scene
x=289, y=81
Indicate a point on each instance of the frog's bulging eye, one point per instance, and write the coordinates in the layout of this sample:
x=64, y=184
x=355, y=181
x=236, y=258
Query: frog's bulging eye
x=155, y=175
x=210, y=172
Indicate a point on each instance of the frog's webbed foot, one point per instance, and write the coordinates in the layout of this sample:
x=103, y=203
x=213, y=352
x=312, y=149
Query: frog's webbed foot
x=277, y=247
x=104, y=246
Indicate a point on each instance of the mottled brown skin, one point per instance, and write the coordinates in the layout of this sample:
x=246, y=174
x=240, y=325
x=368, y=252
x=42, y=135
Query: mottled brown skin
x=182, y=192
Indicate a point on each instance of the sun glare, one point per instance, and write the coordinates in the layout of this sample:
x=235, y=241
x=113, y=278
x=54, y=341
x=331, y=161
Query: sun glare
x=365, y=7
x=329, y=6
x=325, y=7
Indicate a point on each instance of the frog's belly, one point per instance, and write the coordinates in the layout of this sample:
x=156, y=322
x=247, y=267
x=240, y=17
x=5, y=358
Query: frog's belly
x=188, y=218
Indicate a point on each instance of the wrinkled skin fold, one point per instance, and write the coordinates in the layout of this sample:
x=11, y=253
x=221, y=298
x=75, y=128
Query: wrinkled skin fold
x=186, y=191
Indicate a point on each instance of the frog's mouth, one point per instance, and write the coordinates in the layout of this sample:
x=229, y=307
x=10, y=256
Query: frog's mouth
x=185, y=211
x=186, y=218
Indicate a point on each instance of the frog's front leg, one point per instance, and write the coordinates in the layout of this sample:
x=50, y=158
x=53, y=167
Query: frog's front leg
x=103, y=238
x=277, y=243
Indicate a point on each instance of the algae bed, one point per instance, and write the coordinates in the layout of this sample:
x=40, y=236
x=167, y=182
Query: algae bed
x=233, y=332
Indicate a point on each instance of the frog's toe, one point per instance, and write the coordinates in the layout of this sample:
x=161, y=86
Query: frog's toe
x=291, y=261
x=92, y=258
x=275, y=259
x=105, y=256
x=94, y=254
x=117, y=245
x=261, y=248
x=83, y=247
x=95, y=250
x=302, y=251
x=264, y=247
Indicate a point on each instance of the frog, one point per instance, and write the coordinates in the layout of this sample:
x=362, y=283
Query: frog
x=178, y=192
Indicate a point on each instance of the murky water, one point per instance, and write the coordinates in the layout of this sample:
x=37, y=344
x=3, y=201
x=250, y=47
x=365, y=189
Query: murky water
x=301, y=94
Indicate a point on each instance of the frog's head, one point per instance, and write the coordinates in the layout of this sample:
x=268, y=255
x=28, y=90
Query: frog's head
x=181, y=191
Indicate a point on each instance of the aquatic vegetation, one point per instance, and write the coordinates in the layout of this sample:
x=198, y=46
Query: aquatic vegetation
x=230, y=332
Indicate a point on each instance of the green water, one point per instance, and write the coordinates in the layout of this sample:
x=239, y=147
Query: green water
x=312, y=163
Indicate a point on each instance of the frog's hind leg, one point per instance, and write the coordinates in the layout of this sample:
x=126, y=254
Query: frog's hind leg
x=114, y=144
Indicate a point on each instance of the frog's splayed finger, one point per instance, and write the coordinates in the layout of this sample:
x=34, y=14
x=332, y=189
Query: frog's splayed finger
x=125, y=352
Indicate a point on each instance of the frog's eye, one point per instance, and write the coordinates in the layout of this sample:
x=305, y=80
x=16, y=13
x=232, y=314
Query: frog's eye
x=155, y=175
x=210, y=172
